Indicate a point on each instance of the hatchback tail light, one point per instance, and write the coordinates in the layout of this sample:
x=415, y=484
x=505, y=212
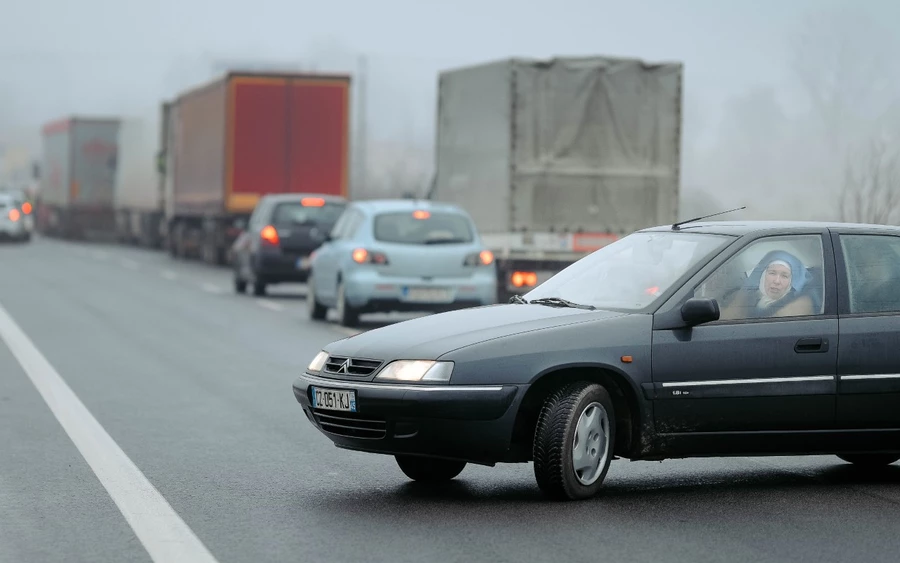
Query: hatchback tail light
x=269, y=235
x=363, y=256
x=483, y=258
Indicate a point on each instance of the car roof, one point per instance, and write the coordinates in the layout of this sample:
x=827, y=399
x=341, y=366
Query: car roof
x=741, y=228
x=405, y=204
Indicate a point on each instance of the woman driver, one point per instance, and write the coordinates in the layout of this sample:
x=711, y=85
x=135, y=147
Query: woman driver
x=774, y=290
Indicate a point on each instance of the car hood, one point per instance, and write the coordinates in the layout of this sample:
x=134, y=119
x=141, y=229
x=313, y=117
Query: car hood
x=430, y=337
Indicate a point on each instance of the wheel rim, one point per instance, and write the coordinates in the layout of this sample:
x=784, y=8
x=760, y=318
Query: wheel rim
x=590, y=445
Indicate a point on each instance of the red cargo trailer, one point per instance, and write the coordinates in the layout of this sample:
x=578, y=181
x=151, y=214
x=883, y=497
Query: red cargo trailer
x=244, y=136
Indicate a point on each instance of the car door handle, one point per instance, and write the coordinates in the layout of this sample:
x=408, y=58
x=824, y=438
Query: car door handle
x=811, y=345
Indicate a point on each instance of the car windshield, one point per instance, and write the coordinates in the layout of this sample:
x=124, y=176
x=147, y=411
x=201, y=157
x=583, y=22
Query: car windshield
x=314, y=211
x=423, y=227
x=632, y=272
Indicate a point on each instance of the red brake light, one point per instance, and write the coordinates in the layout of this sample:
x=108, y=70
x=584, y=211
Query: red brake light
x=269, y=234
x=13, y=215
x=26, y=208
x=421, y=214
x=312, y=202
x=520, y=279
x=361, y=256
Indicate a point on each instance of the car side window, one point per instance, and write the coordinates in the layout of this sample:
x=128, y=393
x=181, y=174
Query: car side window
x=772, y=277
x=873, y=272
x=257, y=218
x=340, y=226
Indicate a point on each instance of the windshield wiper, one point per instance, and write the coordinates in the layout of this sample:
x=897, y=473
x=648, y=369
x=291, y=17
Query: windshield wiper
x=518, y=299
x=560, y=302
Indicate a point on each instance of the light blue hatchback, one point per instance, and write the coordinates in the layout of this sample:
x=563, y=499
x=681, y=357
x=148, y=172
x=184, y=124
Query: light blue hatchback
x=400, y=255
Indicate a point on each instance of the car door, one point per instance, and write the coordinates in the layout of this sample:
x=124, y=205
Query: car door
x=869, y=350
x=328, y=255
x=746, y=374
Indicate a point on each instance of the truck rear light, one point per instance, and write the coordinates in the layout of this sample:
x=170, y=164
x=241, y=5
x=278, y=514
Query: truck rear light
x=13, y=215
x=523, y=279
x=269, y=235
x=26, y=208
x=363, y=256
x=483, y=258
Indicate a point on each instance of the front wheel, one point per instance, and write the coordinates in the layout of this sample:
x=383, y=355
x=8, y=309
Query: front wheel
x=316, y=310
x=574, y=441
x=429, y=470
x=870, y=460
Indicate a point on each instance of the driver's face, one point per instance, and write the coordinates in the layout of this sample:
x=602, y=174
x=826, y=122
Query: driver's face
x=778, y=280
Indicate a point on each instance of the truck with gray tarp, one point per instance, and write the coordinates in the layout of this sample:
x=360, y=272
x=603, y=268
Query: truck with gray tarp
x=557, y=158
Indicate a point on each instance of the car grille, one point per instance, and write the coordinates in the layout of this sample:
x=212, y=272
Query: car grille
x=351, y=426
x=342, y=365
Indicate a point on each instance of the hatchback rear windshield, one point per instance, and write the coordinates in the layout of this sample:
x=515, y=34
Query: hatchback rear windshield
x=295, y=212
x=423, y=227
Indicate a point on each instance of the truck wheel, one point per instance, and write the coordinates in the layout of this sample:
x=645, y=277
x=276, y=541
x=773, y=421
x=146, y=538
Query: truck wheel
x=574, y=441
x=347, y=315
x=317, y=311
x=429, y=470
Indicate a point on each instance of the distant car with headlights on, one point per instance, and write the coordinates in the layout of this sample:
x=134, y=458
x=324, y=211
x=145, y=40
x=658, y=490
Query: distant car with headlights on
x=400, y=255
x=16, y=222
x=282, y=232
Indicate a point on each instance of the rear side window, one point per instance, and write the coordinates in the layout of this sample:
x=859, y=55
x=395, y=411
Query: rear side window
x=312, y=212
x=423, y=227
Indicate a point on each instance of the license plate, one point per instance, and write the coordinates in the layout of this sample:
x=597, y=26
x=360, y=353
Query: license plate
x=303, y=263
x=333, y=399
x=427, y=294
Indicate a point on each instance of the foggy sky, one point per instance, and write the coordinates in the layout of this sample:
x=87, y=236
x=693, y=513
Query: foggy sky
x=61, y=57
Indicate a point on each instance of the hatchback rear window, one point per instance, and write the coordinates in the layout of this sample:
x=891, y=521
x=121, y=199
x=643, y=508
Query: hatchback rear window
x=423, y=227
x=315, y=211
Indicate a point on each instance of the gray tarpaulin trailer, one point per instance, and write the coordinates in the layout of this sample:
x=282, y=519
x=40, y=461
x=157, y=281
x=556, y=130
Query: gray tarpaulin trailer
x=556, y=158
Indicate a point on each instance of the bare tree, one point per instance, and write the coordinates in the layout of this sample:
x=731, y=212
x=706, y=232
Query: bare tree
x=871, y=186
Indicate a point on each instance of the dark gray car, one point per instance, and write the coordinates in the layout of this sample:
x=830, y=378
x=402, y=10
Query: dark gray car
x=707, y=339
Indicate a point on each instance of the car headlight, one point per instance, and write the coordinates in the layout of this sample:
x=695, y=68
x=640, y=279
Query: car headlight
x=318, y=362
x=417, y=370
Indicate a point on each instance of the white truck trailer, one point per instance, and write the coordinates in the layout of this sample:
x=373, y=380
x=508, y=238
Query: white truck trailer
x=138, y=191
x=557, y=158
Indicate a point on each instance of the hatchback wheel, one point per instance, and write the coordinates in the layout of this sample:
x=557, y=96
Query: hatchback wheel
x=870, y=460
x=316, y=310
x=429, y=470
x=347, y=315
x=574, y=441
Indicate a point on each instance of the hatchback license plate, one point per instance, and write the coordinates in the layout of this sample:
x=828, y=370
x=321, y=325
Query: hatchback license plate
x=428, y=294
x=333, y=399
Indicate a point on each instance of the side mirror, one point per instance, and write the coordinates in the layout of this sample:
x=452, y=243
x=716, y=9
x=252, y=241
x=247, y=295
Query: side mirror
x=698, y=310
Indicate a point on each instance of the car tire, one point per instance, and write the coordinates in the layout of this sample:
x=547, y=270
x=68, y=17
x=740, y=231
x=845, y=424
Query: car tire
x=347, y=315
x=317, y=311
x=869, y=460
x=561, y=422
x=428, y=469
x=259, y=288
x=240, y=286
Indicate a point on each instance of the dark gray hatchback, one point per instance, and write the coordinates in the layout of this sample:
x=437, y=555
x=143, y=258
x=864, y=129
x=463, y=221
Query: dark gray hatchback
x=705, y=339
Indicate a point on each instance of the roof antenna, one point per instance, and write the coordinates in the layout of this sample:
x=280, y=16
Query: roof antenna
x=676, y=226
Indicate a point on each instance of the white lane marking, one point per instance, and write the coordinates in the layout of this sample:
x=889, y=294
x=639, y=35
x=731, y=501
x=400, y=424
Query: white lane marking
x=130, y=264
x=168, y=274
x=162, y=532
x=210, y=288
x=271, y=305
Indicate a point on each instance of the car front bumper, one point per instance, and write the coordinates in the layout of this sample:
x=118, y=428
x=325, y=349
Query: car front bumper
x=369, y=291
x=470, y=423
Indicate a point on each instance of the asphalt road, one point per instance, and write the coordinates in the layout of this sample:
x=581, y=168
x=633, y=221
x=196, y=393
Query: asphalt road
x=193, y=384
